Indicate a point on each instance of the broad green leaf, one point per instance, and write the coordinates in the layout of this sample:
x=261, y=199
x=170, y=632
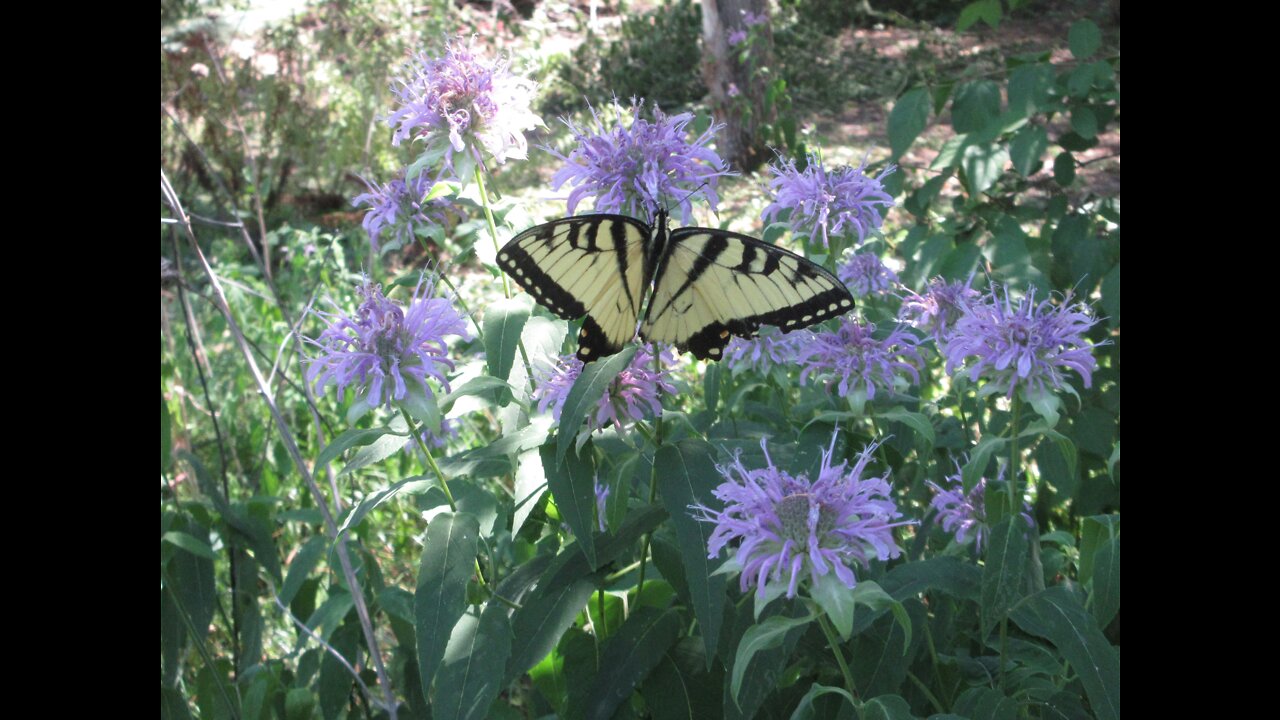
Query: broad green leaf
x=959, y=579
x=951, y=151
x=909, y=118
x=765, y=635
x=870, y=594
x=1055, y=614
x=481, y=386
x=976, y=105
x=1006, y=563
x=680, y=687
x=1106, y=582
x=443, y=188
x=1026, y=148
x=979, y=458
x=1084, y=39
x=987, y=11
x=1029, y=87
x=329, y=616
x=422, y=406
x=173, y=704
x=531, y=482
x=629, y=656
x=805, y=710
x=304, y=562
x=189, y=543
x=586, y=392
x=836, y=600
x=1064, y=168
x=409, y=486
x=916, y=421
x=1084, y=122
x=448, y=561
x=377, y=450
x=504, y=320
x=468, y=681
x=334, y=684
x=354, y=438
x=1095, y=531
x=983, y=165
x=687, y=476
x=572, y=483
x=887, y=707
x=882, y=652
x=299, y=704
x=984, y=702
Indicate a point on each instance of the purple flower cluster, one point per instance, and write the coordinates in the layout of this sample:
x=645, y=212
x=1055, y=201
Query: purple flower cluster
x=639, y=168
x=464, y=102
x=864, y=274
x=634, y=394
x=1026, y=345
x=965, y=514
x=750, y=19
x=765, y=351
x=937, y=310
x=823, y=203
x=396, y=208
x=858, y=363
x=384, y=349
x=789, y=527
x=737, y=37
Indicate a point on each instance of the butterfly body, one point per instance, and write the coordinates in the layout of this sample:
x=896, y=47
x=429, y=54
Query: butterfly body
x=703, y=285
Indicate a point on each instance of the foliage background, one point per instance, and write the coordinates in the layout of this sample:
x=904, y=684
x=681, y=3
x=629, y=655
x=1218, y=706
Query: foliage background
x=1007, y=139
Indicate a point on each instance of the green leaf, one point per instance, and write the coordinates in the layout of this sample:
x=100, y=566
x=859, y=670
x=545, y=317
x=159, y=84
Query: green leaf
x=1064, y=168
x=334, y=684
x=412, y=486
x=983, y=165
x=679, y=687
x=379, y=449
x=354, y=438
x=1027, y=147
x=870, y=594
x=639, y=645
x=909, y=118
x=421, y=405
x=304, y=562
x=806, y=711
x=500, y=392
x=983, y=702
x=531, y=482
x=916, y=421
x=1029, y=87
x=1084, y=122
x=1006, y=564
x=886, y=707
x=190, y=543
x=1111, y=296
x=1095, y=531
x=959, y=579
x=1106, y=582
x=976, y=105
x=443, y=188
x=1056, y=615
x=988, y=11
x=504, y=320
x=448, y=561
x=765, y=635
x=1084, y=39
x=587, y=390
x=688, y=476
x=836, y=600
x=979, y=459
x=468, y=679
x=572, y=483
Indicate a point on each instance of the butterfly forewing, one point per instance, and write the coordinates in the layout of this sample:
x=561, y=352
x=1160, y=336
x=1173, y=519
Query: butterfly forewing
x=592, y=266
x=714, y=284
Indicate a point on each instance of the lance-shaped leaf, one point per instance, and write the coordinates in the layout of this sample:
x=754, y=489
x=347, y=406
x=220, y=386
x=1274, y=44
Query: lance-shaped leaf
x=503, y=322
x=587, y=390
x=468, y=680
x=447, y=564
x=572, y=483
x=638, y=646
x=1006, y=565
x=1056, y=615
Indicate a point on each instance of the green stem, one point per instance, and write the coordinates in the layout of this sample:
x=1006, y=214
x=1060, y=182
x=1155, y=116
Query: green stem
x=612, y=578
x=431, y=461
x=834, y=641
x=197, y=639
x=925, y=689
x=457, y=296
x=1004, y=647
x=653, y=476
x=493, y=229
x=937, y=671
x=1013, y=457
x=964, y=420
x=602, y=627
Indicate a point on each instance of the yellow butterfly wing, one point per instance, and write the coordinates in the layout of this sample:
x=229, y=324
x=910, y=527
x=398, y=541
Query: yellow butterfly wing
x=590, y=265
x=713, y=284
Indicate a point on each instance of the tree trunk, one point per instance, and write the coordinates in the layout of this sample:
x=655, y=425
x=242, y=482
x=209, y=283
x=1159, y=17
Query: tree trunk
x=737, y=88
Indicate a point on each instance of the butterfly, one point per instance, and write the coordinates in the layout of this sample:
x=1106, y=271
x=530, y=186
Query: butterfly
x=703, y=285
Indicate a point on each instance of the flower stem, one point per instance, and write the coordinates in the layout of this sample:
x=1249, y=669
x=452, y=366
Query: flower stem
x=1013, y=457
x=834, y=641
x=431, y=461
x=653, y=472
x=493, y=229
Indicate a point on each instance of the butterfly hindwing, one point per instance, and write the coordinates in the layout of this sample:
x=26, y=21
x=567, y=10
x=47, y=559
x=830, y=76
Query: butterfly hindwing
x=591, y=265
x=713, y=284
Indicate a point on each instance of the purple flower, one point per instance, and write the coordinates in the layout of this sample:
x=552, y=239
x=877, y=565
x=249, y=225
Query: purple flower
x=602, y=499
x=733, y=90
x=640, y=168
x=749, y=18
x=464, y=102
x=822, y=203
x=858, y=363
x=397, y=207
x=737, y=36
x=937, y=310
x=635, y=394
x=764, y=352
x=1025, y=346
x=864, y=274
x=786, y=528
x=965, y=514
x=384, y=350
